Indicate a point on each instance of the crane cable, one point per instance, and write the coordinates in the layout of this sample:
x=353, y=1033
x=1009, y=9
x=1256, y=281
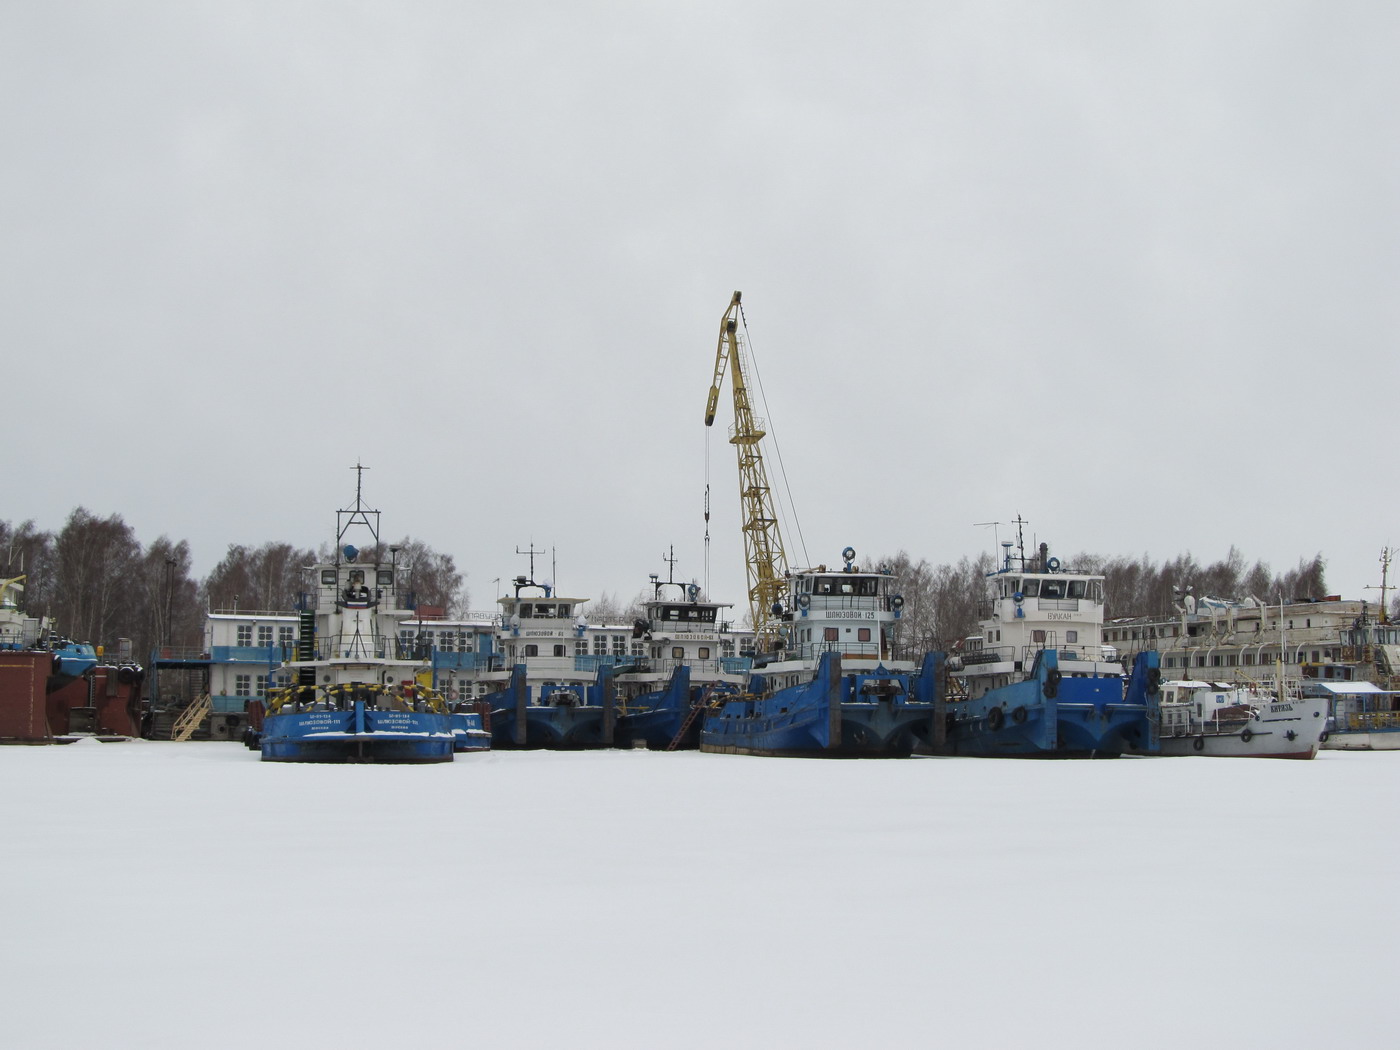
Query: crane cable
x=778, y=452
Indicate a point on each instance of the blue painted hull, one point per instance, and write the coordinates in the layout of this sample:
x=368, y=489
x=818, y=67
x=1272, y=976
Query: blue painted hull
x=874, y=714
x=655, y=719
x=556, y=728
x=1071, y=718
x=358, y=735
x=469, y=732
x=518, y=723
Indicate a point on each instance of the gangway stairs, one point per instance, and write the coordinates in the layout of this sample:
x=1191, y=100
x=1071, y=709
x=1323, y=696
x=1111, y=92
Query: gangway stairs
x=191, y=718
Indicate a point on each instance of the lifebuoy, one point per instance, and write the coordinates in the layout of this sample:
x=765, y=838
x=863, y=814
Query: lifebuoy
x=1018, y=715
x=1199, y=743
x=1246, y=736
x=995, y=718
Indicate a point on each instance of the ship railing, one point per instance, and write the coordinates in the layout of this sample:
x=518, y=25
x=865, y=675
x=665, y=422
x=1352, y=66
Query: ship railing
x=270, y=655
x=1057, y=604
x=181, y=652
x=1360, y=721
x=594, y=661
x=349, y=647
x=698, y=668
x=447, y=660
x=281, y=614
x=1079, y=653
x=811, y=650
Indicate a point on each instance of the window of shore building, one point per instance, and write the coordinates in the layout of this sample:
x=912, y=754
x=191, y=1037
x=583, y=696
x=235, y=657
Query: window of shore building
x=245, y=634
x=243, y=685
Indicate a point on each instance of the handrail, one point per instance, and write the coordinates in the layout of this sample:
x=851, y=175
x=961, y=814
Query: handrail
x=190, y=718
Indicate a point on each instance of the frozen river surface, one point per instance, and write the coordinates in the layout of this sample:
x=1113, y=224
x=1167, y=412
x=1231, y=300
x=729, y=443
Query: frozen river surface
x=186, y=895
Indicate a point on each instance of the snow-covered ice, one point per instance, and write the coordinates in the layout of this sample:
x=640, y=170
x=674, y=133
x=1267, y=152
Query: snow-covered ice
x=187, y=895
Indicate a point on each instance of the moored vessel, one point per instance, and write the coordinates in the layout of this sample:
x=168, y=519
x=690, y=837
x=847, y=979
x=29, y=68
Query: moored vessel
x=1219, y=719
x=692, y=662
x=1038, y=680
x=355, y=692
x=554, y=693
x=837, y=683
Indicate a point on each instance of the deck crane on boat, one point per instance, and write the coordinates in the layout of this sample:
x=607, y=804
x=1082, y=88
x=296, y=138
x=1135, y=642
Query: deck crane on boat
x=763, y=542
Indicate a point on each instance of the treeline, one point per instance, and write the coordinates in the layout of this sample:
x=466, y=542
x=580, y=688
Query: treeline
x=941, y=602
x=98, y=583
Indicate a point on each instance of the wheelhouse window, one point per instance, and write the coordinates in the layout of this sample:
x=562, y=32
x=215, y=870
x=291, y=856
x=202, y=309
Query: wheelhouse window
x=1031, y=589
x=328, y=577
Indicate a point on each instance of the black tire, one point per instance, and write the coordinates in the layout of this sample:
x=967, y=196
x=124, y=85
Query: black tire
x=1246, y=736
x=1018, y=715
x=995, y=719
x=1323, y=738
x=1199, y=744
x=1052, y=683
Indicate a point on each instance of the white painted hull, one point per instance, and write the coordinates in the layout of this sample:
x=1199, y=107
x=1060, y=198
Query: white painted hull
x=1290, y=729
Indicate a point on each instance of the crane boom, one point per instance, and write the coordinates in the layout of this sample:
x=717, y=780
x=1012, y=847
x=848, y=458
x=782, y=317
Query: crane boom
x=763, y=543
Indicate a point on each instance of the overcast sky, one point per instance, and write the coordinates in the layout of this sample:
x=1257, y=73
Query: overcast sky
x=1129, y=270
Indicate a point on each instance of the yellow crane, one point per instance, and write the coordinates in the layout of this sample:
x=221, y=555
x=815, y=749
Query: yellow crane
x=763, y=543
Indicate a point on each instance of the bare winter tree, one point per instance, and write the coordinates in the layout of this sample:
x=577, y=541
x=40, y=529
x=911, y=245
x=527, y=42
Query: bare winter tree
x=97, y=561
x=169, y=597
x=28, y=551
x=270, y=577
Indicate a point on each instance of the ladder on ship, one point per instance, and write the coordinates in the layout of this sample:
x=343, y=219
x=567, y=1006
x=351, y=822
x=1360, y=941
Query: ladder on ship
x=690, y=717
x=191, y=718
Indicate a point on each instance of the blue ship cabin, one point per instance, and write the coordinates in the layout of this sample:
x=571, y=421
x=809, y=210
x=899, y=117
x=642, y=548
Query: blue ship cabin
x=246, y=650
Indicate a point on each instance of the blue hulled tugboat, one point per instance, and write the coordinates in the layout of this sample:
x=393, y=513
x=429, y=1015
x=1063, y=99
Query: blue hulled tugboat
x=355, y=692
x=693, y=662
x=554, y=695
x=837, y=684
x=1038, y=679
